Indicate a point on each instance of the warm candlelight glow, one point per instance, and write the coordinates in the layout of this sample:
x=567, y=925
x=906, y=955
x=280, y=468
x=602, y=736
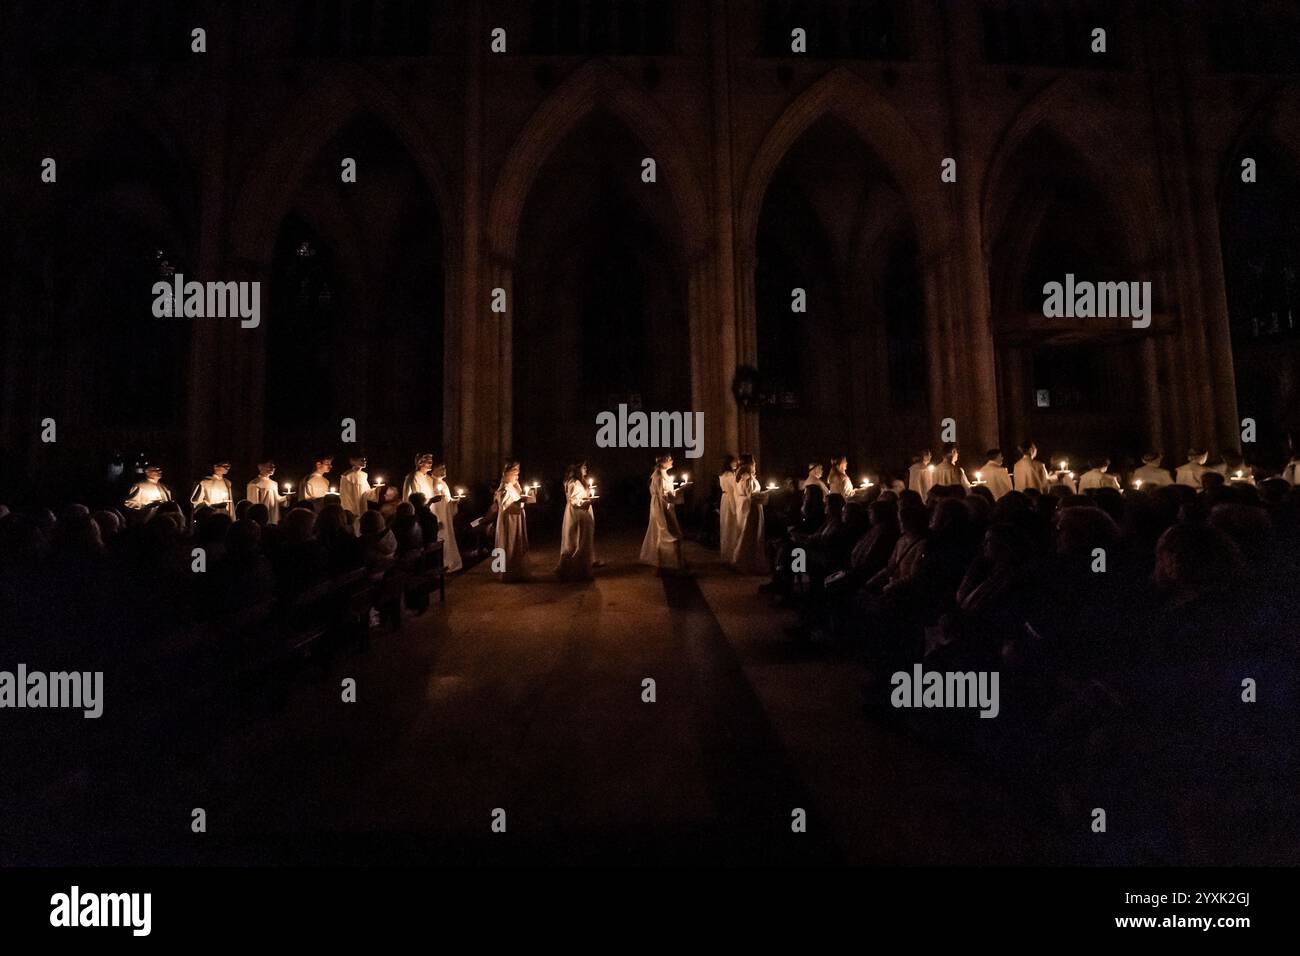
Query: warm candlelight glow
x=1238, y=475
x=333, y=490
x=929, y=467
x=379, y=479
x=460, y=492
x=1137, y=483
x=978, y=477
x=771, y=486
x=287, y=487
x=1064, y=464
x=686, y=479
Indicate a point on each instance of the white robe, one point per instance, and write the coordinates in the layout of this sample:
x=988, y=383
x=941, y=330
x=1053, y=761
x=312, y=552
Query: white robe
x=213, y=492
x=264, y=491
x=837, y=484
x=810, y=480
x=996, y=478
x=920, y=478
x=354, y=492
x=315, y=487
x=1152, y=476
x=512, y=531
x=1292, y=471
x=1031, y=473
x=146, y=493
x=446, y=511
x=728, y=525
x=947, y=474
x=662, y=546
x=1190, y=474
x=578, y=533
x=1096, y=478
x=750, y=556
x=418, y=483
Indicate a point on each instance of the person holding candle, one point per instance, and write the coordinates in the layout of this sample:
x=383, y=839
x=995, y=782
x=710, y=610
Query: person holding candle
x=662, y=546
x=214, y=490
x=1029, y=471
x=839, y=482
x=262, y=490
x=750, y=555
x=445, y=506
x=421, y=479
x=578, y=533
x=1150, y=474
x=512, y=523
x=148, y=493
x=1189, y=474
x=815, y=472
x=947, y=473
x=316, y=487
x=727, y=525
x=994, y=474
x=1098, y=476
x=354, y=490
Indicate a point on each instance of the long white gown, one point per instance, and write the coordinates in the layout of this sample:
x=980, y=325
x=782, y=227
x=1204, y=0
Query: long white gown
x=750, y=556
x=1190, y=474
x=1031, y=473
x=213, y=492
x=263, y=491
x=1096, y=478
x=996, y=478
x=1152, y=476
x=838, y=484
x=146, y=493
x=418, y=482
x=662, y=547
x=728, y=526
x=577, y=534
x=446, y=511
x=316, y=486
x=354, y=492
x=920, y=478
x=512, y=531
x=948, y=475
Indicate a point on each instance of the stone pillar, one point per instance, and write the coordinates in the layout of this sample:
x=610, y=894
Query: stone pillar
x=722, y=350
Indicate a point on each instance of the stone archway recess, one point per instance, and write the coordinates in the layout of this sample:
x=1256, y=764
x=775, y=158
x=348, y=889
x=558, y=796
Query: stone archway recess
x=596, y=85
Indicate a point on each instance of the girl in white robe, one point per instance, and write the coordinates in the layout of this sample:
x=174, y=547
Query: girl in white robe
x=263, y=490
x=578, y=533
x=214, y=490
x=750, y=555
x=662, y=547
x=421, y=480
x=1150, y=473
x=727, y=524
x=354, y=490
x=445, y=505
x=815, y=471
x=838, y=483
x=512, y=524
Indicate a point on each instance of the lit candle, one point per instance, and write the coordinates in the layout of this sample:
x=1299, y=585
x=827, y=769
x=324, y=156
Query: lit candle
x=771, y=486
x=1064, y=464
x=460, y=492
x=1137, y=484
x=333, y=490
x=979, y=480
x=929, y=467
x=288, y=488
x=1237, y=475
x=379, y=479
x=686, y=479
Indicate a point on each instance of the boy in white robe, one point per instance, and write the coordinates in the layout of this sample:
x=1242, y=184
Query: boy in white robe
x=263, y=490
x=920, y=474
x=1150, y=474
x=354, y=488
x=1190, y=473
x=1029, y=471
x=947, y=473
x=421, y=480
x=149, y=492
x=1098, y=476
x=317, y=486
x=214, y=490
x=994, y=474
x=444, y=506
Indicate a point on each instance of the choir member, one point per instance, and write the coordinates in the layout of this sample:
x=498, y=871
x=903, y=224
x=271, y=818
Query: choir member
x=512, y=523
x=420, y=480
x=445, y=505
x=1150, y=474
x=994, y=474
x=263, y=490
x=317, y=486
x=1236, y=470
x=1292, y=470
x=947, y=473
x=662, y=546
x=727, y=507
x=750, y=556
x=578, y=533
x=815, y=472
x=839, y=482
x=1098, y=476
x=214, y=490
x=1190, y=473
x=354, y=489
x=920, y=474
x=151, y=491
x=1029, y=471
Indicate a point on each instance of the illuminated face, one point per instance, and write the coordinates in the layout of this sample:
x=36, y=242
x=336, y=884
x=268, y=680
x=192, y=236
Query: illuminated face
x=513, y=474
x=153, y=474
x=324, y=467
x=668, y=464
x=219, y=471
x=266, y=469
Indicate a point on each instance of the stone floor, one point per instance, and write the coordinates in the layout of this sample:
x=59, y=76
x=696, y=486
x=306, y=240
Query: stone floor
x=528, y=698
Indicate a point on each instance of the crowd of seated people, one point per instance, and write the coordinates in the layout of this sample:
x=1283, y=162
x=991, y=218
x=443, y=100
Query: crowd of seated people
x=1134, y=634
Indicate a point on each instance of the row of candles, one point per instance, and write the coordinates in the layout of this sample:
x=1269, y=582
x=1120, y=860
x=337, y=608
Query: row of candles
x=379, y=483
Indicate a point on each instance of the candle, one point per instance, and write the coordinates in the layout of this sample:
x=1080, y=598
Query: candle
x=1137, y=482
x=460, y=492
x=1064, y=464
x=978, y=478
x=771, y=486
x=1237, y=475
x=333, y=490
x=686, y=479
x=929, y=467
x=287, y=488
x=379, y=479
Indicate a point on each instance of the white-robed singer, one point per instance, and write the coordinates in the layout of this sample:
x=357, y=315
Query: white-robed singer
x=420, y=481
x=149, y=492
x=1150, y=474
x=578, y=532
x=838, y=481
x=354, y=489
x=214, y=490
x=1292, y=471
x=994, y=474
x=316, y=486
x=947, y=473
x=750, y=556
x=445, y=505
x=1029, y=471
x=512, y=524
x=1189, y=474
x=727, y=522
x=815, y=472
x=1098, y=476
x=263, y=490
x=662, y=547
x=920, y=474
